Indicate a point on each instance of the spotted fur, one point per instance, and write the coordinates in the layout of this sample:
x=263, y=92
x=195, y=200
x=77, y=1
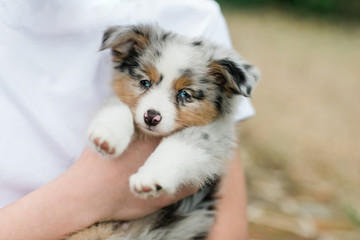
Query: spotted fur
x=189, y=88
x=211, y=75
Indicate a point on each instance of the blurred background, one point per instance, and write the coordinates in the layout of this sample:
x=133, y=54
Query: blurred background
x=301, y=152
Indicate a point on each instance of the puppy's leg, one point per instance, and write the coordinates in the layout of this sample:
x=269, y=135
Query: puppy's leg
x=180, y=159
x=112, y=128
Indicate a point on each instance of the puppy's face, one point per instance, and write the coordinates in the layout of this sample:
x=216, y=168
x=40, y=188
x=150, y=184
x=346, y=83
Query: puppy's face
x=171, y=82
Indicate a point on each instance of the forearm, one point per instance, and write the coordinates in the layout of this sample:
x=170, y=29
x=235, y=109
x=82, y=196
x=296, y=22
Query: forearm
x=231, y=219
x=93, y=189
x=62, y=206
x=47, y=213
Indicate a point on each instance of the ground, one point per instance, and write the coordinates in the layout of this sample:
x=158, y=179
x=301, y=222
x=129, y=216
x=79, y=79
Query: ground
x=301, y=150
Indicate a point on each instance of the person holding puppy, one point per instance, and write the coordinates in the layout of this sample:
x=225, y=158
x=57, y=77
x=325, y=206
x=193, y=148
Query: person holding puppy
x=51, y=81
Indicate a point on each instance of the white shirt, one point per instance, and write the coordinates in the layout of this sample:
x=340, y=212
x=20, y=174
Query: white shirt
x=52, y=78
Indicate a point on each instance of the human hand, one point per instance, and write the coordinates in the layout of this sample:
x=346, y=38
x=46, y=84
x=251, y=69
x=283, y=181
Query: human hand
x=94, y=189
x=231, y=221
x=107, y=180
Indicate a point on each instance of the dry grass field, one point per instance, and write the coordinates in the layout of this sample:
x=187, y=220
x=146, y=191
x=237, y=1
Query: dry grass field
x=301, y=151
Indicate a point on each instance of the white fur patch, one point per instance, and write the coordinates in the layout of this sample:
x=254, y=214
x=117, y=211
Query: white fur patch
x=112, y=124
x=175, y=57
x=158, y=100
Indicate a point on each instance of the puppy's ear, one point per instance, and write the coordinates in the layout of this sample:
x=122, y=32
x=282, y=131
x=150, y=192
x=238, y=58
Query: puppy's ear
x=125, y=40
x=234, y=77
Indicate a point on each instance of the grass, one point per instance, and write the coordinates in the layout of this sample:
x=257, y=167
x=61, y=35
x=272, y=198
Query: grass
x=353, y=214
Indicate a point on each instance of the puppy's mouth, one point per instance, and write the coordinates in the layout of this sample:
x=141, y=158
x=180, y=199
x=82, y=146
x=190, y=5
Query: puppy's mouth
x=150, y=130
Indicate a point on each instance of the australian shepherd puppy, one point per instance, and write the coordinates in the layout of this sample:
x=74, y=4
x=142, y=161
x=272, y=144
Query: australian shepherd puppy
x=184, y=91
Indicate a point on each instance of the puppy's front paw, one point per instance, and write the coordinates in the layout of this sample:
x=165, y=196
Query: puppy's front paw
x=144, y=184
x=108, y=141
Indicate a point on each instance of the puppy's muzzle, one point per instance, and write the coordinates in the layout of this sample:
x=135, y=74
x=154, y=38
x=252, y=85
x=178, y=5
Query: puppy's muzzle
x=152, y=117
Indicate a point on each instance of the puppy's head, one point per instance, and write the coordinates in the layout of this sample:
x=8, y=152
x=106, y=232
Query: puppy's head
x=171, y=82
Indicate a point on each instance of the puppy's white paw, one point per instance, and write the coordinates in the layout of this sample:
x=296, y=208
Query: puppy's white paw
x=112, y=128
x=151, y=184
x=107, y=140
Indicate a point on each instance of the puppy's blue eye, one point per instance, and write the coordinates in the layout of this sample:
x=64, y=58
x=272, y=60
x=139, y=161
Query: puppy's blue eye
x=184, y=94
x=145, y=83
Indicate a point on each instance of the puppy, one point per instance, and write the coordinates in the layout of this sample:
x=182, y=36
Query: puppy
x=184, y=91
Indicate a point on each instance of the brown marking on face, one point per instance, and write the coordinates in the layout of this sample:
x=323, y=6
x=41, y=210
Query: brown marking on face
x=152, y=73
x=199, y=115
x=125, y=91
x=182, y=82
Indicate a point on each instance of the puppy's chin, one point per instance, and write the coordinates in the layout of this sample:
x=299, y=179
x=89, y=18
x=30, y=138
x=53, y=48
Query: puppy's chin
x=151, y=131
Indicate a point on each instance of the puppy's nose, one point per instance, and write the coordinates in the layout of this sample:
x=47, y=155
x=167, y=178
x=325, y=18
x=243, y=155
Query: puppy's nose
x=152, y=117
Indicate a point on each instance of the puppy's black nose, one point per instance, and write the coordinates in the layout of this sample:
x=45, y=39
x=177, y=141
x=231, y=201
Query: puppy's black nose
x=152, y=117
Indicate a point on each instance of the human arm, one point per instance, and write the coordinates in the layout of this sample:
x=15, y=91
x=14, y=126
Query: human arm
x=92, y=190
x=231, y=218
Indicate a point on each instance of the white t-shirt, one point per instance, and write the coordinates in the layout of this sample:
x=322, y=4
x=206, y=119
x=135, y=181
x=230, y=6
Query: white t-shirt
x=52, y=77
